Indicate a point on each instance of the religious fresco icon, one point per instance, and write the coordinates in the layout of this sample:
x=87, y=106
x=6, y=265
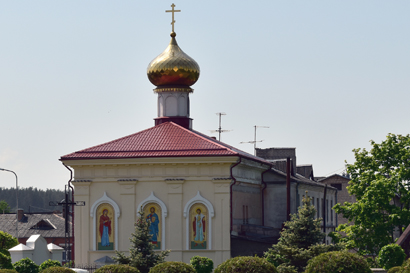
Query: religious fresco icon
x=105, y=227
x=198, y=231
x=153, y=216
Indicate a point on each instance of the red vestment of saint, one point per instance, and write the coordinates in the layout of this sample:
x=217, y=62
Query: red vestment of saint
x=105, y=221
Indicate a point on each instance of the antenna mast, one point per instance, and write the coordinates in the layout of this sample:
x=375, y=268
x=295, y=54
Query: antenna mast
x=220, y=114
x=254, y=140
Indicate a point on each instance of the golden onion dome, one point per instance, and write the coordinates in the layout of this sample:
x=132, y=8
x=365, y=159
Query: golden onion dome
x=173, y=68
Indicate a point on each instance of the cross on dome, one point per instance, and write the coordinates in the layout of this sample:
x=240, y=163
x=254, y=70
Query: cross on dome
x=173, y=12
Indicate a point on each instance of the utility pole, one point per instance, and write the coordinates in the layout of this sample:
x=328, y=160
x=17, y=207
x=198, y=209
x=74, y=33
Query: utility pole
x=254, y=139
x=17, y=201
x=220, y=114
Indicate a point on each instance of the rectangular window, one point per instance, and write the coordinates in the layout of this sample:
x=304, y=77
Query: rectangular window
x=338, y=186
x=243, y=215
x=318, y=208
x=327, y=211
x=247, y=216
x=331, y=211
x=321, y=212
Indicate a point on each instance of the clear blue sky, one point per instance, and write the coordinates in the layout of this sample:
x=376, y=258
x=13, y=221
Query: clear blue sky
x=325, y=76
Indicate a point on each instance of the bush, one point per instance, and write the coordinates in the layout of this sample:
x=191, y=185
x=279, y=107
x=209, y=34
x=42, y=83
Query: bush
x=283, y=268
x=172, y=267
x=338, y=261
x=391, y=255
x=26, y=266
x=245, y=265
x=395, y=269
x=5, y=261
x=117, y=268
x=57, y=269
x=49, y=263
x=372, y=262
x=202, y=264
x=8, y=271
x=405, y=268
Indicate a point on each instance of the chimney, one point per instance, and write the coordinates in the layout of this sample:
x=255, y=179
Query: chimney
x=20, y=214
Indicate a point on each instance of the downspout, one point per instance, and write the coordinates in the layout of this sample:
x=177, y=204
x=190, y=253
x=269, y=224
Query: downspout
x=72, y=213
x=263, y=194
x=288, y=189
x=230, y=190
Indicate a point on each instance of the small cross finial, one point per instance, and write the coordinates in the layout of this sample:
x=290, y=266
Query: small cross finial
x=173, y=12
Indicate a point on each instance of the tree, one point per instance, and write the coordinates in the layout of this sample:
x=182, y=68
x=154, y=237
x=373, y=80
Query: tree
x=7, y=241
x=300, y=240
x=142, y=254
x=4, y=207
x=380, y=180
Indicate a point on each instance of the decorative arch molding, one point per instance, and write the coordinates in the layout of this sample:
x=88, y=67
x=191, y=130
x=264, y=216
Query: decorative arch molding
x=164, y=213
x=93, y=214
x=198, y=198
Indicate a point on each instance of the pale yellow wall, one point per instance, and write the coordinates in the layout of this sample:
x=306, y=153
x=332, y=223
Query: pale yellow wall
x=98, y=176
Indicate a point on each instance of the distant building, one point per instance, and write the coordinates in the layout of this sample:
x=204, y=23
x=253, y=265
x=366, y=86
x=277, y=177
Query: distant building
x=340, y=183
x=50, y=225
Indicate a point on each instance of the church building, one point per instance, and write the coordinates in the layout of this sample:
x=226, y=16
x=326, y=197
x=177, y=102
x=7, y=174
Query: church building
x=196, y=192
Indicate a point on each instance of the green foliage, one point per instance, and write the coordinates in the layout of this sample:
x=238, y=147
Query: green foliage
x=8, y=271
x=4, y=207
x=57, y=269
x=117, y=268
x=202, y=264
x=172, y=267
x=395, y=269
x=338, y=261
x=245, y=265
x=6, y=242
x=283, y=268
x=26, y=265
x=142, y=254
x=300, y=240
x=5, y=261
x=380, y=180
x=372, y=262
x=391, y=255
x=49, y=263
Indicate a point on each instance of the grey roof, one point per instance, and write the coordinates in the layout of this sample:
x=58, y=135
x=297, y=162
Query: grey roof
x=56, y=221
x=301, y=179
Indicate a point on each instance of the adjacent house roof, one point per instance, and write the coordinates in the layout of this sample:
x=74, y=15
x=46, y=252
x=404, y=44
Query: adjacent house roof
x=164, y=140
x=46, y=224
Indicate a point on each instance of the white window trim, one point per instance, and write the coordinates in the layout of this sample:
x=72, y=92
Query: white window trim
x=93, y=214
x=199, y=199
x=164, y=213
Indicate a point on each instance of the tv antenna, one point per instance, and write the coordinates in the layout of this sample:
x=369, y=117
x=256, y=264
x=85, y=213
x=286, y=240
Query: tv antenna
x=254, y=139
x=220, y=114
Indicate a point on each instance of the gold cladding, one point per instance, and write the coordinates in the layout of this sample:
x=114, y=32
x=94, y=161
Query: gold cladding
x=173, y=67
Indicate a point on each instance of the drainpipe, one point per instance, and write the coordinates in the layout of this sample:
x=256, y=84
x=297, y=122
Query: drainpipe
x=263, y=194
x=231, y=188
x=72, y=213
x=288, y=189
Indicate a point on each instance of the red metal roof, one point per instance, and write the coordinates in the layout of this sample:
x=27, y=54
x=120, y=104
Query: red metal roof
x=163, y=140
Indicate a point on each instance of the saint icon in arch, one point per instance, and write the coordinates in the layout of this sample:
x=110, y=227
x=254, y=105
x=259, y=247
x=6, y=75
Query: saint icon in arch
x=153, y=212
x=105, y=227
x=199, y=222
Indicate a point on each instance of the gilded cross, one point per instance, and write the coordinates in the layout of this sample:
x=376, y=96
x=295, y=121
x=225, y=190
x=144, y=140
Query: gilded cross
x=173, y=12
